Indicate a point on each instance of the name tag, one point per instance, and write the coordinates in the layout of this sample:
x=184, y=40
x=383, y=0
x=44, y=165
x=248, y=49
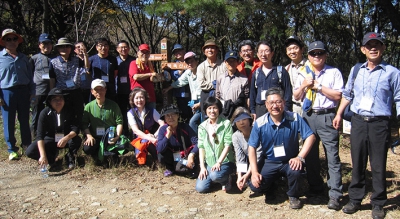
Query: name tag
x=279, y=151
x=105, y=78
x=366, y=103
x=263, y=92
x=177, y=156
x=70, y=83
x=59, y=136
x=123, y=79
x=241, y=167
x=100, y=131
x=45, y=76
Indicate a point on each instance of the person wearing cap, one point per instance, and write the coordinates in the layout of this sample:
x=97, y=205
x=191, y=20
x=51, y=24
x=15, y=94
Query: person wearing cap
x=66, y=72
x=250, y=63
x=86, y=79
x=265, y=77
x=232, y=88
x=57, y=129
x=104, y=66
x=123, y=83
x=189, y=76
x=373, y=91
x=141, y=72
x=325, y=84
x=209, y=70
x=294, y=50
x=277, y=131
x=243, y=122
x=176, y=142
x=17, y=89
x=99, y=115
x=40, y=63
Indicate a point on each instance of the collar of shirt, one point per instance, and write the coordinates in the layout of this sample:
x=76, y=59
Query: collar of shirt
x=62, y=60
x=236, y=74
x=217, y=63
x=381, y=65
x=301, y=63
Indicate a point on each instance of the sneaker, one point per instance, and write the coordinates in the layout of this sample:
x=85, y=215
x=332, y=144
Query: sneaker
x=351, y=208
x=71, y=165
x=13, y=156
x=378, y=212
x=333, y=204
x=228, y=185
x=167, y=173
x=294, y=203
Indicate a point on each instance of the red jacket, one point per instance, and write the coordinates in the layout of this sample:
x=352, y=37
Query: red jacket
x=256, y=64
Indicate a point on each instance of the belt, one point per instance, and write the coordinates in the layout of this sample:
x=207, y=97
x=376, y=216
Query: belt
x=323, y=111
x=296, y=103
x=371, y=118
x=17, y=87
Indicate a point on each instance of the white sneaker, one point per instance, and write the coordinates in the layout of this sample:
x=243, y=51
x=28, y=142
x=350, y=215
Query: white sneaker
x=228, y=185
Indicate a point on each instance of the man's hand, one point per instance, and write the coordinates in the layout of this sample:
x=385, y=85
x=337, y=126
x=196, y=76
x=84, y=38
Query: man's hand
x=90, y=141
x=190, y=161
x=62, y=142
x=295, y=163
x=113, y=140
x=336, y=121
x=43, y=161
x=241, y=181
x=256, y=179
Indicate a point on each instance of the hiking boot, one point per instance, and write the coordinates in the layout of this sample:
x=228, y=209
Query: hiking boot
x=13, y=156
x=351, y=208
x=228, y=185
x=378, y=212
x=333, y=204
x=294, y=203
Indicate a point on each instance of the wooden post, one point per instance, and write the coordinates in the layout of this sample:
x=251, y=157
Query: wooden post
x=167, y=98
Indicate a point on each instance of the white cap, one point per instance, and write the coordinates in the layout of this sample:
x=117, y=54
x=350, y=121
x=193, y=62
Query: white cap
x=98, y=82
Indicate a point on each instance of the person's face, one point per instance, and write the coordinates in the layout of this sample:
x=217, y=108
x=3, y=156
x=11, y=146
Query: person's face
x=275, y=104
x=144, y=55
x=179, y=54
x=212, y=112
x=210, y=51
x=99, y=92
x=265, y=54
x=139, y=100
x=247, y=53
x=242, y=124
x=172, y=119
x=10, y=41
x=231, y=64
x=57, y=102
x=123, y=49
x=45, y=47
x=80, y=49
x=373, y=50
x=294, y=52
x=192, y=63
x=64, y=50
x=102, y=48
x=317, y=58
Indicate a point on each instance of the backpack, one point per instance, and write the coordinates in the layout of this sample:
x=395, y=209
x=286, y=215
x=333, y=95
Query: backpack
x=278, y=70
x=347, y=112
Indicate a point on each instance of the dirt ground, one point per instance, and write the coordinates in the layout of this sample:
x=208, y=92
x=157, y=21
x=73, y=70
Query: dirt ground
x=129, y=191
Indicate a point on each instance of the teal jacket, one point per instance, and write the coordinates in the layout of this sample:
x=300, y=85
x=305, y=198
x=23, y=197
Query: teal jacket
x=212, y=150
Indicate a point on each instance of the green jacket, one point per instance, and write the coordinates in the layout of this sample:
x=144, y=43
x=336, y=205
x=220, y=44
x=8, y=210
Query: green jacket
x=213, y=151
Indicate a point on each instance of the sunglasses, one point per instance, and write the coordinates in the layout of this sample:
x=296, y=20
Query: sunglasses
x=15, y=39
x=215, y=136
x=313, y=54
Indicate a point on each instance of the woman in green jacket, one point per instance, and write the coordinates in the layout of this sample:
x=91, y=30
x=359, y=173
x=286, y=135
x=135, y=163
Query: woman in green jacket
x=215, y=154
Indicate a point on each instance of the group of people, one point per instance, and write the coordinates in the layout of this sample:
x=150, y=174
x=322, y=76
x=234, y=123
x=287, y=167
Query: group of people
x=262, y=120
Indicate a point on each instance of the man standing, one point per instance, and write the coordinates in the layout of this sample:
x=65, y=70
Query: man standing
x=326, y=84
x=294, y=50
x=123, y=82
x=277, y=131
x=232, y=87
x=98, y=116
x=40, y=65
x=104, y=66
x=374, y=87
x=16, y=90
x=86, y=79
x=250, y=63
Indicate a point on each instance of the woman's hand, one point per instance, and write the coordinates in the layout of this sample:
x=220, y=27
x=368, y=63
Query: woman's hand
x=216, y=167
x=203, y=173
x=241, y=181
x=190, y=161
x=43, y=160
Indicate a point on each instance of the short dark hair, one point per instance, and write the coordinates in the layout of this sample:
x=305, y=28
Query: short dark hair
x=79, y=42
x=267, y=43
x=123, y=41
x=211, y=101
x=246, y=43
x=102, y=39
x=274, y=90
x=135, y=91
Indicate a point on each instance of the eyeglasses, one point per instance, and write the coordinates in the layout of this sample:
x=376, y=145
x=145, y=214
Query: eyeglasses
x=246, y=51
x=123, y=47
x=278, y=102
x=14, y=39
x=102, y=45
x=215, y=136
x=267, y=51
x=320, y=53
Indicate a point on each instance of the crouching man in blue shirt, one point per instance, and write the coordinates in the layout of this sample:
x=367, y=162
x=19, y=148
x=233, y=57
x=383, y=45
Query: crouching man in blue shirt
x=277, y=132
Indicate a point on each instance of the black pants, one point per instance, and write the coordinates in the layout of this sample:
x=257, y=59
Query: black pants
x=52, y=150
x=369, y=139
x=167, y=158
x=123, y=103
x=261, y=109
x=37, y=107
x=74, y=101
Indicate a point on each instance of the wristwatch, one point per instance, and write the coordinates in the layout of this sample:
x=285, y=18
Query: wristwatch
x=301, y=159
x=319, y=88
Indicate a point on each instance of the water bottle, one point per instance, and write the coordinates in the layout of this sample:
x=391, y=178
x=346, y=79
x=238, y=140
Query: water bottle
x=44, y=171
x=111, y=133
x=183, y=161
x=394, y=146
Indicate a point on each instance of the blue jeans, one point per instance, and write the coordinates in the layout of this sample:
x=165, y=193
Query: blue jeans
x=221, y=177
x=16, y=101
x=195, y=121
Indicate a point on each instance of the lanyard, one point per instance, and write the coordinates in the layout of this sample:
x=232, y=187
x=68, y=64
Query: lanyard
x=100, y=65
x=376, y=87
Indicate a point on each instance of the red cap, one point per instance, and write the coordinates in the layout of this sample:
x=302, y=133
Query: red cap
x=144, y=47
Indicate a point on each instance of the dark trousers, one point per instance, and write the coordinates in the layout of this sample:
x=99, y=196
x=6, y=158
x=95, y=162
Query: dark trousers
x=167, y=158
x=369, y=139
x=86, y=96
x=74, y=101
x=203, y=97
x=123, y=103
x=272, y=170
x=186, y=111
x=92, y=150
x=261, y=110
x=37, y=107
x=52, y=150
